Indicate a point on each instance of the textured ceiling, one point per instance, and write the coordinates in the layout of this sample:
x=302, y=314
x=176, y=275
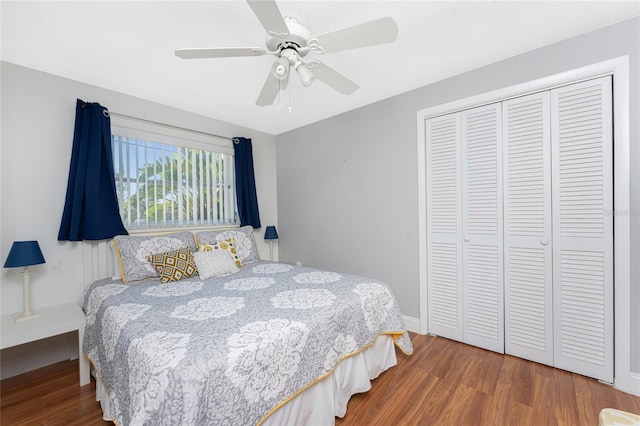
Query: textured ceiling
x=129, y=47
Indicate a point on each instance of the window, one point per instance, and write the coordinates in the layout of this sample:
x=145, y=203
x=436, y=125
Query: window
x=168, y=178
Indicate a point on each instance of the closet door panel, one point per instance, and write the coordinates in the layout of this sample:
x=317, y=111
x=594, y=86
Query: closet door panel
x=482, y=228
x=527, y=228
x=583, y=228
x=444, y=231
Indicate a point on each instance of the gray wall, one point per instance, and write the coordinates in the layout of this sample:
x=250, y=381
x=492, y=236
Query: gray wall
x=347, y=186
x=37, y=113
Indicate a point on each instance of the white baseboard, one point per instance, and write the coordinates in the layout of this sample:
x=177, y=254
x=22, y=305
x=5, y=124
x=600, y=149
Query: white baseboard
x=413, y=324
x=630, y=384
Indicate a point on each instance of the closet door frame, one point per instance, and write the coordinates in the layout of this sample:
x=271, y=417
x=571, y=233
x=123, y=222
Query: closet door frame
x=624, y=379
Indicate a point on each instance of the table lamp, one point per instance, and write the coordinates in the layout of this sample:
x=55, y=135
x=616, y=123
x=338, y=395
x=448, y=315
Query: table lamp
x=271, y=234
x=25, y=253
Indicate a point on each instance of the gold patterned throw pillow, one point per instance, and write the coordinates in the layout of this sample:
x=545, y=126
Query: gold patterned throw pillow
x=174, y=265
x=244, y=241
x=228, y=245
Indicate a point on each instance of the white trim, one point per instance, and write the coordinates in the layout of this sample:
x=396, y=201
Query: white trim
x=624, y=379
x=423, y=320
x=622, y=229
x=195, y=228
x=522, y=89
x=412, y=324
x=132, y=128
x=632, y=385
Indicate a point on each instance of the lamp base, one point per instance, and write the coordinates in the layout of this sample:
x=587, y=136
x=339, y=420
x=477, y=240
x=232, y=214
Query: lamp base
x=22, y=317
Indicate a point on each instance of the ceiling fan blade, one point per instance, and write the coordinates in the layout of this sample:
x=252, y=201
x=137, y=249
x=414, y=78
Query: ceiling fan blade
x=219, y=52
x=334, y=79
x=270, y=90
x=269, y=15
x=380, y=31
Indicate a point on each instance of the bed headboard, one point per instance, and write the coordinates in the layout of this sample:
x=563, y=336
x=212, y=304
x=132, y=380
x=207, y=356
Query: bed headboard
x=97, y=261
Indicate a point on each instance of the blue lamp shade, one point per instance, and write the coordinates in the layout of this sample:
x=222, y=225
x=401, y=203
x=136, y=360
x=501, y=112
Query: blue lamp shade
x=271, y=233
x=24, y=253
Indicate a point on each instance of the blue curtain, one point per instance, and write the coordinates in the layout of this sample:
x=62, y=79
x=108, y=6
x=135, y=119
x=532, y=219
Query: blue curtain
x=91, y=206
x=246, y=183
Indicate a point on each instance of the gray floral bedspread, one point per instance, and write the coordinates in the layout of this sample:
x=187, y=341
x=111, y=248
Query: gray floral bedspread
x=229, y=350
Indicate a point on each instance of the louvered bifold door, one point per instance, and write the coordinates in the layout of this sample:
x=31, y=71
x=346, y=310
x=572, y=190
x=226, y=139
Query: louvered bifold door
x=482, y=227
x=583, y=227
x=444, y=251
x=527, y=228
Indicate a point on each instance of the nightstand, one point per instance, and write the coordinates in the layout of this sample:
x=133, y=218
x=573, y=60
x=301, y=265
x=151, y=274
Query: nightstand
x=54, y=320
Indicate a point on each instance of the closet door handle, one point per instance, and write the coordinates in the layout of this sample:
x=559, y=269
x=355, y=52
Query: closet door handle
x=544, y=242
x=467, y=238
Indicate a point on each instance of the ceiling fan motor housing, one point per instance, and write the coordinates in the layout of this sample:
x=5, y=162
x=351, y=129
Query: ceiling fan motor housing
x=296, y=39
x=290, y=54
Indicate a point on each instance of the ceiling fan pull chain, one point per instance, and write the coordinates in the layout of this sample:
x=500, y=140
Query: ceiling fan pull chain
x=279, y=105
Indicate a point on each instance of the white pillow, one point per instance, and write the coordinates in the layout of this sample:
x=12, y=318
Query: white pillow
x=214, y=263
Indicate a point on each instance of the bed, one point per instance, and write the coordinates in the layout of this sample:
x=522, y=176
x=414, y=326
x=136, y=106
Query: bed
x=268, y=343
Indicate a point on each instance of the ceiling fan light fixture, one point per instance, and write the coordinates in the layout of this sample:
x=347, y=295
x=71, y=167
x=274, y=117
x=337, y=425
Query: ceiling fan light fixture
x=305, y=73
x=280, y=69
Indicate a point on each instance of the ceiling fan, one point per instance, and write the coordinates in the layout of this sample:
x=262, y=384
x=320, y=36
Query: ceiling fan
x=291, y=42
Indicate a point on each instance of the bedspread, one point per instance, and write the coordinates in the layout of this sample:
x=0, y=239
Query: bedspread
x=229, y=350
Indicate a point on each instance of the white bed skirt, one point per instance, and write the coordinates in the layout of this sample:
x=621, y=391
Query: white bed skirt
x=323, y=401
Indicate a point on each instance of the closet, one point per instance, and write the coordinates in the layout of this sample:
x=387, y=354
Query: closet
x=519, y=227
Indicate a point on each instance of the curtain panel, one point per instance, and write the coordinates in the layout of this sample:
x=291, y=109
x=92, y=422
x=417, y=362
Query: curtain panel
x=91, y=205
x=246, y=183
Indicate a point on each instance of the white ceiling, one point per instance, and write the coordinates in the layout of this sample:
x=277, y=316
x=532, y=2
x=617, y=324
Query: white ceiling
x=129, y=47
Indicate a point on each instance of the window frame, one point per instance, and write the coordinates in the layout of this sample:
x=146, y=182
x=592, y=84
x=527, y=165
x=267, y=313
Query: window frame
x=183, y=138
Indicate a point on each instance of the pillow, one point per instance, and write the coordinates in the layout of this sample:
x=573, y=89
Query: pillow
x=228, y=246
x=132, y=252
x=245, y=242
x=215, y=263
x=174, y=265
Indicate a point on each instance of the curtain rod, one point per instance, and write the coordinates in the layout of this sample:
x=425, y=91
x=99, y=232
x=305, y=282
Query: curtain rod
x=110, y=113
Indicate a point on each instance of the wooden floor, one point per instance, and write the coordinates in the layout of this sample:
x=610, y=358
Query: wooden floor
x=442, y=383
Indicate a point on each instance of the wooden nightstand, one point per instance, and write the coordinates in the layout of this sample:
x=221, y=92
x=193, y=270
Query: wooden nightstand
x=54, y=320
